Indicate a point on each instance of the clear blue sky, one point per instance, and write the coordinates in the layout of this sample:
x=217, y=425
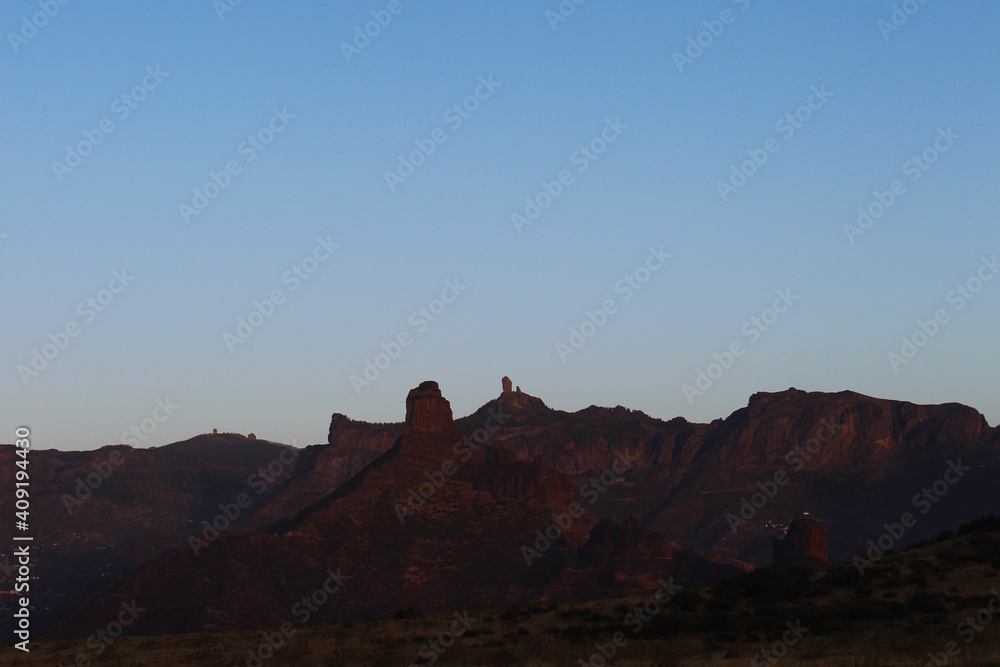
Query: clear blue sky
x=322, y=175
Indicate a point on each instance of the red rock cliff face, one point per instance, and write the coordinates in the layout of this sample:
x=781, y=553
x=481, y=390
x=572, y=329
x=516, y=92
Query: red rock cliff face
x=427, y=410
x=363, y=435
x=429, y=432
x=863, y=429
x=500, y=473
x=804, y=544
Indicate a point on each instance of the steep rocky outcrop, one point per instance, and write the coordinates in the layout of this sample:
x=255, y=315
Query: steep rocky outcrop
x=427, y=411
x=804, y=544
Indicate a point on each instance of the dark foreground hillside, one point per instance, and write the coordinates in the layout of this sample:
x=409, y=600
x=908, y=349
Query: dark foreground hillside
x=906, y=608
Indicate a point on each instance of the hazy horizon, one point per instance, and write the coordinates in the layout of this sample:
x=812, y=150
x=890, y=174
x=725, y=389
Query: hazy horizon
x=399, y=419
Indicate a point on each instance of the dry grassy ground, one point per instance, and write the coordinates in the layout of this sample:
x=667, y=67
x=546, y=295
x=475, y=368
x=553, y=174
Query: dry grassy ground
x=905, y=606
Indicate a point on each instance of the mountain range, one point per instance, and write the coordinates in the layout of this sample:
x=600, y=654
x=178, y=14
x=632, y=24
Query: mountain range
x=515, y=503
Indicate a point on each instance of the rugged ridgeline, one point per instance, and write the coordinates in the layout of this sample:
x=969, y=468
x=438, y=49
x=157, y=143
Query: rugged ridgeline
x=861, y=463
x=850, y=460
x=438, y=522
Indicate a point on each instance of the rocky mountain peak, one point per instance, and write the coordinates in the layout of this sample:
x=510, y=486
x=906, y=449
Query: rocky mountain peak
x=427, y=411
